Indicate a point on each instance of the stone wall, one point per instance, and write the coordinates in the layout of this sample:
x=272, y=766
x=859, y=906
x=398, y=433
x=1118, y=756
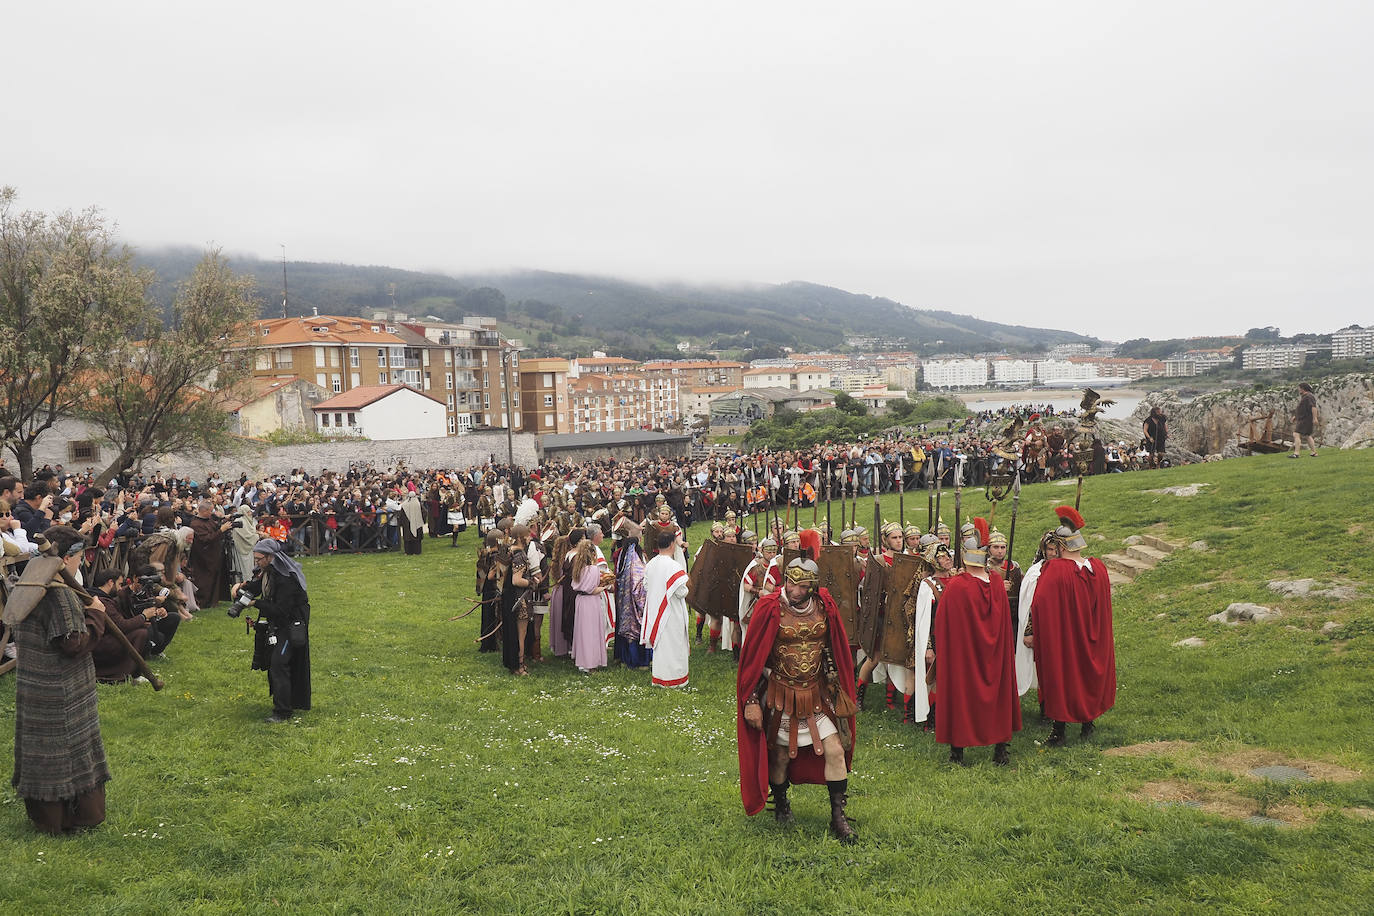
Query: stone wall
x=256, y=460
x=679, y=449
x=1213, y=424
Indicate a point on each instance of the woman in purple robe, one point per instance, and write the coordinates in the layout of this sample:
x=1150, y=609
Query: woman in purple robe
x=629, y=593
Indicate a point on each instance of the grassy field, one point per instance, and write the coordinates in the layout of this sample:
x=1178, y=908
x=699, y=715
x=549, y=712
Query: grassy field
x=428, y=780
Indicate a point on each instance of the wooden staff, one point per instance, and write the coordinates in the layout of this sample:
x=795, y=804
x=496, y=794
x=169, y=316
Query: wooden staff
x=901, y=497
x=97, y=607
x=957, y=534
x=1011, y=537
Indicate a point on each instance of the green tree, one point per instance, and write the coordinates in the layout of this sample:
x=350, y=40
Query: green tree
x=850, y=406
x=68, y=296
x=166, y=389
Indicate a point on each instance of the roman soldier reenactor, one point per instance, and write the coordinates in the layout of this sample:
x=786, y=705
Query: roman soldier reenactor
x=795, y=712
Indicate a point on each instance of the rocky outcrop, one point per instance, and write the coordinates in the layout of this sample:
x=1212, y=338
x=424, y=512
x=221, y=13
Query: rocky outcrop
x=1213, y=424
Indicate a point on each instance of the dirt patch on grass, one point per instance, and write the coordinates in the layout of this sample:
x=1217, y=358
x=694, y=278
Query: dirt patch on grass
x=1238, y=760
x=1364, y=814
x=1217, y=801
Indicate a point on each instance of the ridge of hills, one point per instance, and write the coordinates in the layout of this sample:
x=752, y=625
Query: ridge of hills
x=562, y=313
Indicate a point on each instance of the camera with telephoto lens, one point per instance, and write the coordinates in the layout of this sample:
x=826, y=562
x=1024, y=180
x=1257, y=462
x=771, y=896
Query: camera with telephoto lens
x=249, y=592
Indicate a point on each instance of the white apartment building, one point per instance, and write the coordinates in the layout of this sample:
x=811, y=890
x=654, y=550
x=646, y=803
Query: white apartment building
x=1009, y=371
x=955, y=373
x=1353, y=342
x=1287, y=356
x=1050, y=370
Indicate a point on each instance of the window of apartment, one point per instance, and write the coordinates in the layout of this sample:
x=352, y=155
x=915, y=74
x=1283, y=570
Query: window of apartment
x=319, y=356
x=486, y=381
x=548, y=379
x=450, y=402
x=486, y=402
x=353, y=357
x=381, y=378
x=548, y=400
x=355, y=379
x=515, y=360
x=324, y=419
x=515, y=420
x=262, y=360
x=338, y=419
x=448, y=380
x=548, y=419
x=321, y=380
x=336, y=384
x=452, y=426
x=353, y=419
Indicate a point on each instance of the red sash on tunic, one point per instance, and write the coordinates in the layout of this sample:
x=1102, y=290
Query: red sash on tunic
x=753, y=742
x=1075, y=653
x=975, y=668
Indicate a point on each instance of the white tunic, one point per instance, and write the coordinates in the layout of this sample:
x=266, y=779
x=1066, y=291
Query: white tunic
x=918, y=690
x=665, y=623
x=609, y=599
x=1025, y=656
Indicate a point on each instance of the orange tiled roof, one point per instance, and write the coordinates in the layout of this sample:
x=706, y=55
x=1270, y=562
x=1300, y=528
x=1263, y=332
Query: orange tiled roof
x=364, y=395
x=319, y=329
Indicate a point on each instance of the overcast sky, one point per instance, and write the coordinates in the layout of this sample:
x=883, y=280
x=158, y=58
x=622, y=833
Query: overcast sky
x=1122, y=169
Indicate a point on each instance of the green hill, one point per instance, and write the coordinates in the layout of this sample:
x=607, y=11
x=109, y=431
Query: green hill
x=561, y=313
x=427, y=779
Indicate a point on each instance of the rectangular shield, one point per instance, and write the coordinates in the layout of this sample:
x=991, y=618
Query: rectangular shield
x=713, y=586
x=894, y=645
x=871, y=605
x=840, y=577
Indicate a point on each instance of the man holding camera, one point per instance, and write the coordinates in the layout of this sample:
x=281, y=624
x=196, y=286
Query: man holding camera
x=281, y=641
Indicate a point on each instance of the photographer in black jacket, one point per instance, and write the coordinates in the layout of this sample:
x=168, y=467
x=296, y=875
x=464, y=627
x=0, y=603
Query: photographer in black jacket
x=282, y=644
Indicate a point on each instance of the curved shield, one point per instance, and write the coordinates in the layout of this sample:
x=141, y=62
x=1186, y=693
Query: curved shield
x=713, y=586
x=894, y=646
x=840, y=577
x=872, y=605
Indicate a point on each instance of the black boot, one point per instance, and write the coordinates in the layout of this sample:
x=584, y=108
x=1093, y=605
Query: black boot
x=839, y=825
x=909, y=709
x=930, y=720
x=1056, y=738
x=1000, y=755
x=735, y=653
x=1088, y=729
x=956, y=755
x=701, y=622
x=782, y=808
x=860, y=688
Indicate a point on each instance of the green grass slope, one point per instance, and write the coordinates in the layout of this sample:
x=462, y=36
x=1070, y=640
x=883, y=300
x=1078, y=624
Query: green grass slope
x=428, y=780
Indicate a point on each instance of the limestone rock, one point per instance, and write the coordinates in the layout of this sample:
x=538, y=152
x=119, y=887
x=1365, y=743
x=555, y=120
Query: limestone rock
x=1255, y=613
x=1297, y=588
x=1192, y=642
x=1133, y=540
x=1192, y=489
x=1208, y=424
x=1199, y=546
x=1223, y=618
x=1330, y=627
x=1308, y=588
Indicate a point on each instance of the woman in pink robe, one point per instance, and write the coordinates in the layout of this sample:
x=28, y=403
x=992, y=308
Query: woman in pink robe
x=589, y=625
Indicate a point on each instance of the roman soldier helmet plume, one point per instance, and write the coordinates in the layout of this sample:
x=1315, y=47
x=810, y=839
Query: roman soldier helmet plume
x=975, y=543
x=1069, y=533
x=811, y=543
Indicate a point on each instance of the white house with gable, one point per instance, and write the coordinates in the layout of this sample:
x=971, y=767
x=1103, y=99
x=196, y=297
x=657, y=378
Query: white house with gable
x=382, y=412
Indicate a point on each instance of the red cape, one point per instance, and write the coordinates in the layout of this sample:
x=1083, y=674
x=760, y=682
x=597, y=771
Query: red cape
x=806, y=767
x=1075, y=653
x=975, y=668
